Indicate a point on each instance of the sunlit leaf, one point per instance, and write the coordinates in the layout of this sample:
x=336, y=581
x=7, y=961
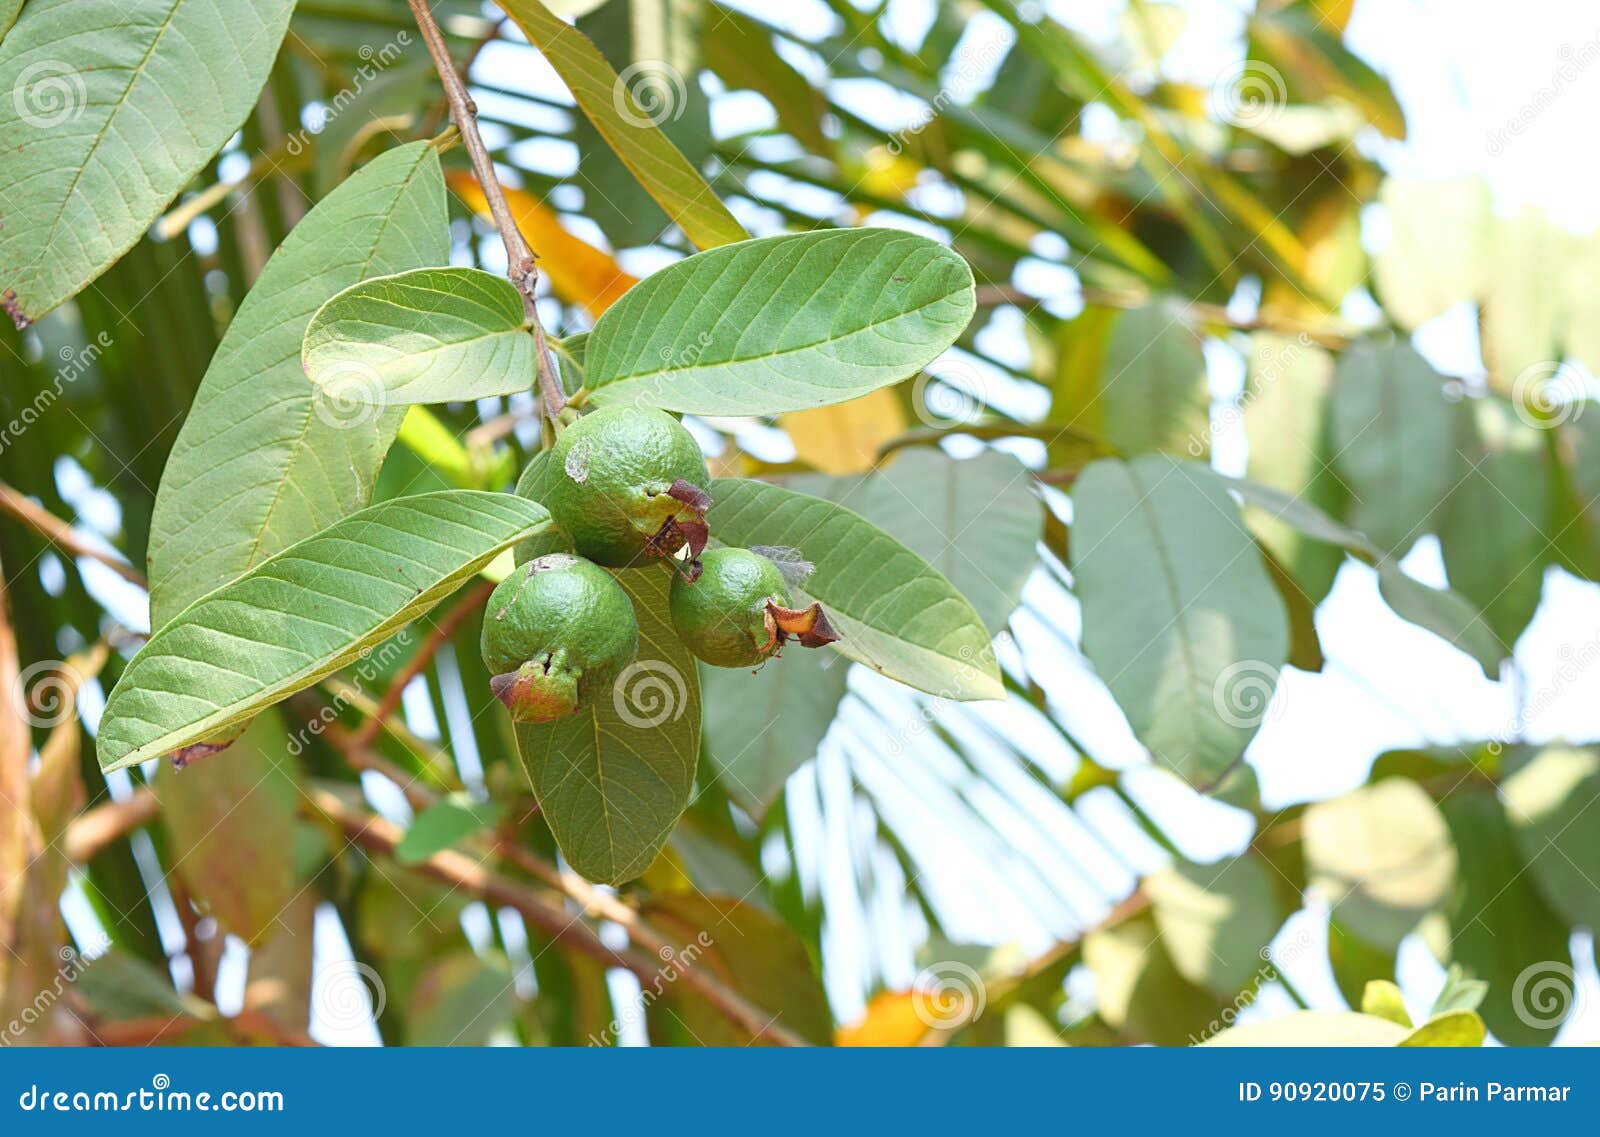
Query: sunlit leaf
x=302, y=614
x=781, y=323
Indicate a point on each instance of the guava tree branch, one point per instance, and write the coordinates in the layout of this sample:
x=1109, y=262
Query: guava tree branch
x=64, y=536
x=521, y=263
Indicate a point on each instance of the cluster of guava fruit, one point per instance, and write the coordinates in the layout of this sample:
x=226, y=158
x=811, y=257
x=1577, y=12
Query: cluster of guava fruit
x=630, y=490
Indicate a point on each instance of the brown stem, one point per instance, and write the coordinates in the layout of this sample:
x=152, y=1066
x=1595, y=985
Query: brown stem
x=377, y=835
x=96, y=828
x=521, y=263
x=1327, y=334
x=63, y=536
x=442, y=631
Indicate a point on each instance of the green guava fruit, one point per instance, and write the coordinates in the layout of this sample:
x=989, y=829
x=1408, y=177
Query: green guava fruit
x=737, y=613
x=628, y=484
x=556, y=635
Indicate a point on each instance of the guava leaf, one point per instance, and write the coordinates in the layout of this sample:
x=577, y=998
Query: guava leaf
x=112, y=106
x=1179, y=615
x=613, y=779
x=302, y=614
x=609, y=103
x=781, y=323
x=262, y=460
x=976, y=520
x=893, y=611
x=432, y=335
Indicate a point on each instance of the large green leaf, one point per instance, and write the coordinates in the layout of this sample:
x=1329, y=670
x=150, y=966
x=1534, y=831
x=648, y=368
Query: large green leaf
x=1286, y=421
x=1550, y=798
x=762, y=727
x=1383, y=857
x=613, y=779
x=753, y=952
x=1492, y=529
x=976, y=520
x=611, y=104
x=1446, y=614
x=302, y=614
x=112, y=106
x=261, y=461
x=1216, y=920
x=1438, y=251
x=781, y=323
x=1392, y=442
x=1150, y=392
x=432, y=335
x=1499, y=928
x=230, y=830
x=893, y=611
x=1179, y=615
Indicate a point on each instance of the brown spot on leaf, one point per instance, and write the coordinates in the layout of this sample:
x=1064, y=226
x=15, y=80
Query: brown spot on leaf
x=13, y=308
x=188, y=754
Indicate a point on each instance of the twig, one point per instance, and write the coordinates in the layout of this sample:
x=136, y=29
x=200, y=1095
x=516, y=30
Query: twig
x=521, y=264
x=1326, y=334
x=377, y=835
x=96, y=828
x=441, y=632
x=64, y=536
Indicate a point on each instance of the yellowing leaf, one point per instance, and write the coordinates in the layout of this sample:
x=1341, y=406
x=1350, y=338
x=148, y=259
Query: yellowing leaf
x=844, y=438
x=578, y=272
x=892, y=1019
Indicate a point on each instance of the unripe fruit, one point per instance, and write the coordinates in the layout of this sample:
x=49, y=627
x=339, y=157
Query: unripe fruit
x=737, y=613
x=627, y=484
x=556, y=635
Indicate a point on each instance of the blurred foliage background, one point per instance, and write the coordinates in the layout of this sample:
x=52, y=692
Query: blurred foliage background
x=1221, y=271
